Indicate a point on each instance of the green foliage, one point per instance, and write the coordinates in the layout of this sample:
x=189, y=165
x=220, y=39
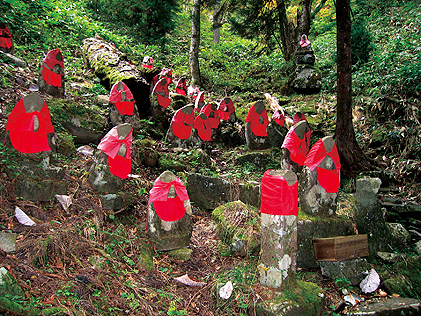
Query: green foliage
x=361, y=42
x=151, y=20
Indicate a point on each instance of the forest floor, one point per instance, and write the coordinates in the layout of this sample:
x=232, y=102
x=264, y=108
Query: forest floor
x=88, y=260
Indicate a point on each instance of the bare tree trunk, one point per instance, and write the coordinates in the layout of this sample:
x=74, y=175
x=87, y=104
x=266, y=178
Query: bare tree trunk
x=351, y=155
x=217, y=18
x=194, y=44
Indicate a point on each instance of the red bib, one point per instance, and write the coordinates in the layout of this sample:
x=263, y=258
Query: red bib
x=277, y=197
x=212, y=113
x=182, y=124
x=20, y=125
x=297, y=147
x=204, y=130
x=328, y=179
x=258, y=129
x=51, y=78
x=225, y=110
x=126, y=106
x=279, y=118
x=168, y=209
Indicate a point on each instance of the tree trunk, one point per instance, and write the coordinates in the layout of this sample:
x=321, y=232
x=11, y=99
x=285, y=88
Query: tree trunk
x=351, y=156
x=290, y=34
x=110, y=66
x=217, y=18
x=194, y=44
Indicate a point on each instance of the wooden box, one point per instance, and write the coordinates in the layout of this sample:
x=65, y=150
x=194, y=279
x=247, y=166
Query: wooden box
x=340, y=248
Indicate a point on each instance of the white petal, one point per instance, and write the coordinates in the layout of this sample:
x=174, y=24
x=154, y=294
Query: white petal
x=226, y=291
x=23, y=218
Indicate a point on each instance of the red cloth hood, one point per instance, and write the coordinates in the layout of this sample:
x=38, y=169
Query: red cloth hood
x=204, y=128
x=120, y=166
x=182, y=124
x=277, y=197
x=181, y=87
x=20, y=125
x=258, y=129
x=297, y=147
x=318, y=153
x=5, y=32
x=168, y=209
x=162, y=93
x=212, y=114
x=298, y=117
x=51, y=59
x=225, y=110
x=328, y=179
x=279, y=118
x=115, y=94
x=111, y=143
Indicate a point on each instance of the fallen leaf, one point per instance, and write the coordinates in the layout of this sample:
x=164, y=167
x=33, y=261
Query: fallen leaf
x=64, y=200
x=186, y=280
x=23, y=218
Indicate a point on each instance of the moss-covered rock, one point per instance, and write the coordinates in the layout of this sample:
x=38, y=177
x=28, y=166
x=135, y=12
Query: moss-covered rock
x=183, y=254
x=170, y=162
x=146, y=256
x=300, y=299
x=310, y=227
x=65, y=144
x=238, y=226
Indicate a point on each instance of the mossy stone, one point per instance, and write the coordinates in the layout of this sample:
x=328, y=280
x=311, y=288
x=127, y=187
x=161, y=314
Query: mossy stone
x=183, y=254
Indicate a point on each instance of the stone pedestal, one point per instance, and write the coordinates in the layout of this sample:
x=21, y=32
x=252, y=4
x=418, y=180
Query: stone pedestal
x=279, y=232
x=166, y=198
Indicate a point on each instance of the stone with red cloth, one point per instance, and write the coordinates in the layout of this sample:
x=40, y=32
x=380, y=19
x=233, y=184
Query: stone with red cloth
x=147, y=62
x=200, y=101
x=297, y=142
x=181, y=86
x=279, y=193
x=298, y=117
x=226, y=109
x=212, y=114
x=279, y=118
x=6, y=41
x=182, y=122
x=169, y=219
x=162, y=93
x=122, y=98
x=258, y=119
x=117, y=145
x=203, y=126
x=52, y=68
x=324, y=158
x=29, y=124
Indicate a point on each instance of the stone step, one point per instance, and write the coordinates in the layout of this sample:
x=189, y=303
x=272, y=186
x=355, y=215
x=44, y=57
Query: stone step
x=388, y=307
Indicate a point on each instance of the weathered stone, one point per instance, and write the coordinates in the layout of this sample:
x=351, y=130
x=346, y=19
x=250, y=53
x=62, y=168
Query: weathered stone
x=7, y=241
x=207, y=192
x=276, y=134
x=102, y=99
x=40, y=190
x=146, y=255
x=318, y=227
x=256, y=127
x=13, y=59
x=100, y=177
x=302, y=299
x=369, y=217
x=390, y=307
x=314, y=199
x=406, y=280
x=169, y=234
x=8, y=285
x=114, y=201
x=417, y=247
x=354, y=270
x=278, y=257
x=257, y=159
x=169, y=162
x=249, y=193
x=183, y=254
x=390, y=257
x=238, y=227
x=400, y=237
